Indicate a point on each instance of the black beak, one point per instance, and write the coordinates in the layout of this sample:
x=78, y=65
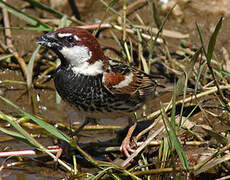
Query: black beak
x=49, y=40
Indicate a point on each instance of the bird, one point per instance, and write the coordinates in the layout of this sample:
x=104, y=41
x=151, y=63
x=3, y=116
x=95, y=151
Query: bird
x=97, y=86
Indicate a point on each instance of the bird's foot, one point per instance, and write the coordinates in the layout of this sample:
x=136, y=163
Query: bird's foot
x=64, y=148
x=125, y=147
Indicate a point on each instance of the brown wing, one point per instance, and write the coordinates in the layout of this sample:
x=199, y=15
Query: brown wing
x=123, y=79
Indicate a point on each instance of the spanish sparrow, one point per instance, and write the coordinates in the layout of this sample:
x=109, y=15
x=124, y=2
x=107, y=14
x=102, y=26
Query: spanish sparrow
x=97, y=86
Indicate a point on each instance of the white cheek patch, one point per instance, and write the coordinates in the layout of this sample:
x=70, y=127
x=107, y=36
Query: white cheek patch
x=128, y=79
x=62, y=35
x=88, y=69
x=76, y=55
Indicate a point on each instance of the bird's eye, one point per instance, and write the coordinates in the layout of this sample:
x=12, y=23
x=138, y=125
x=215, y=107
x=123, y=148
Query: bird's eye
x=70, y=39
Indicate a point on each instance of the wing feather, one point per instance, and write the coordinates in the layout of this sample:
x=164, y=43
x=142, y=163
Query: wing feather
x=123, y=79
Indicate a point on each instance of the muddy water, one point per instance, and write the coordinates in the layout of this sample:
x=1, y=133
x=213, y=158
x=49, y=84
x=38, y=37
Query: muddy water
x=204, y=13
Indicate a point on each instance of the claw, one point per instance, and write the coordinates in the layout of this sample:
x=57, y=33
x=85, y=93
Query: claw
x=58, y=155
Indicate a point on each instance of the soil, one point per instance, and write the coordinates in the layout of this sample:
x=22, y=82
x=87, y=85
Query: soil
x=183, y=19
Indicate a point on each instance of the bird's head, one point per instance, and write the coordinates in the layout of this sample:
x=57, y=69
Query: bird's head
x=76, y=47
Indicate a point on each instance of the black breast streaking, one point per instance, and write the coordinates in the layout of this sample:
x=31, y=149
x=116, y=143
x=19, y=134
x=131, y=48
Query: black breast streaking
x=88, y=94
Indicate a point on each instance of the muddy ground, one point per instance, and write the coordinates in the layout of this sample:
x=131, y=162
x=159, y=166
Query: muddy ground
x=182, y=20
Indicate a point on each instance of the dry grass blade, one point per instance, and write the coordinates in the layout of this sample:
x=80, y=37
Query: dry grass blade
x=219, y=138
x=189, y=116
x=215, y=161
x=211, y=90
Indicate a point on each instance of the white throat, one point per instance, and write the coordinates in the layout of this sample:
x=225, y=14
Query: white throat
x=89, y=69
x=78, y=57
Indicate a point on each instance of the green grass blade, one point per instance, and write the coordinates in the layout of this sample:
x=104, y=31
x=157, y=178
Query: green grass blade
x=173, y=112
x=179, y=149
x=30, y=139
x=30, y=67
x=44, y=7
x=171, y=126
x=156, y=15
x=163, y=23
x=62, y=23
x=58, y=98
x=160, y=26
x=52, y=130
x=25, y=28
x=109, y=6
x=100, y=174
x=14, y=134
x=112, y=3
x=199, y=76
x=22, y=132
x=201, y=39
x=183, y=80
x=29, y=19
x=212, y=41
x=174, y=142
x=165, y=152
x=225, y=72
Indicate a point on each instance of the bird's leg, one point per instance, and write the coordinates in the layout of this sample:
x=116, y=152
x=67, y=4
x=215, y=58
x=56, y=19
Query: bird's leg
x=125, y=146
x=64, y=147
x=85, y=122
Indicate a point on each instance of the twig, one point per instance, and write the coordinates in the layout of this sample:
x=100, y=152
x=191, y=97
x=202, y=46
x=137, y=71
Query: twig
x=135, y=5
x=166, y=33
x=188, y=143
x=74, y=8
x=158, y=171
x=24, y=153
x=224, y=178
x=198, y=166
x=11, y=48
x=193, y=97
x=20, y=60
x=7, y=30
